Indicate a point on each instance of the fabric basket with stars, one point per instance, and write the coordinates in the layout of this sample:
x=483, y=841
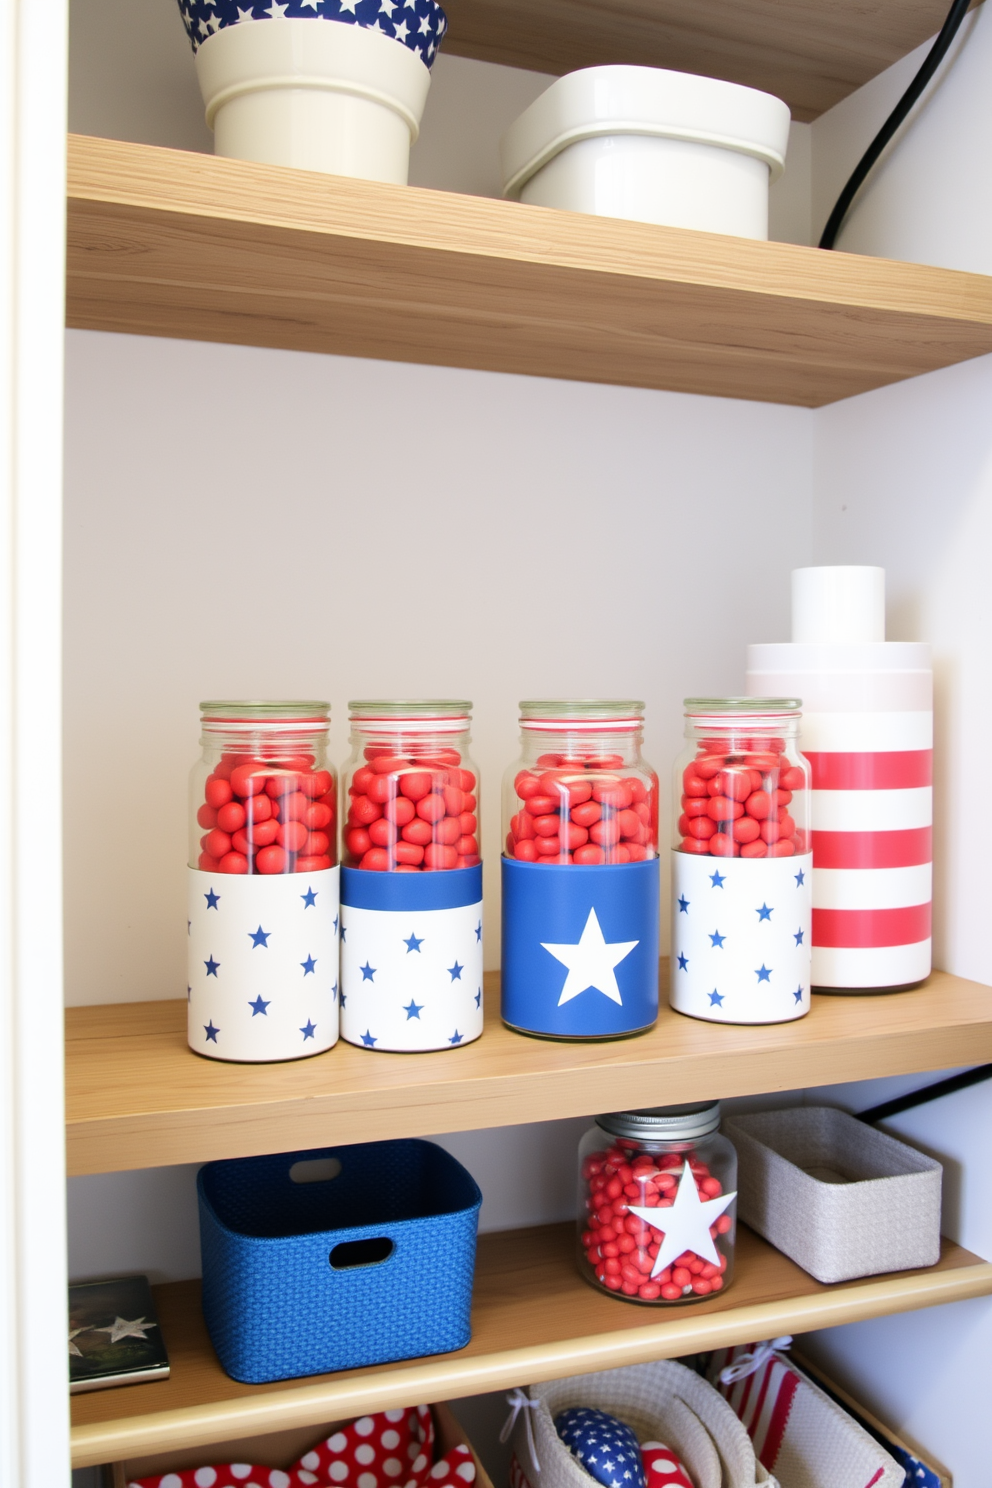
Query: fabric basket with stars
x=395, y=1449
x=798, y=1431
x=396, y=1221
x=662, y=1402
x=262, y=980
x=418, y=24
x=411, y=959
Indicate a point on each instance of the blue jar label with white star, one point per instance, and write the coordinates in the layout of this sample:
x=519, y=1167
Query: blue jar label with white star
x=580, y=948
x=262, y=982
x=741, y=932
x=418, y=24
x=411, y=959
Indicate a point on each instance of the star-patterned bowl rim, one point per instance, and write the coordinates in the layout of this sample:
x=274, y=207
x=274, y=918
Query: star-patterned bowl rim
x=421, y=32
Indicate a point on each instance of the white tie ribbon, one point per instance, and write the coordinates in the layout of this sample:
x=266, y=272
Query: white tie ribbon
x=752, y=1362
x=519, y=1400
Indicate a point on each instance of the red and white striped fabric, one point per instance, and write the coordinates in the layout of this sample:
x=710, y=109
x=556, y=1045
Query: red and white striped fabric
x=799, y=1433
x=871, y=815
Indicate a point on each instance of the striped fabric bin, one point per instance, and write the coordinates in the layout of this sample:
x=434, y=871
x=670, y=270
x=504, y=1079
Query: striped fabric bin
x=867, y=731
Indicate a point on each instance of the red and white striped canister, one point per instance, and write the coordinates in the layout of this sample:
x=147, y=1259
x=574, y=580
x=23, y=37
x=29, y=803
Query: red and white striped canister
x=867, y=731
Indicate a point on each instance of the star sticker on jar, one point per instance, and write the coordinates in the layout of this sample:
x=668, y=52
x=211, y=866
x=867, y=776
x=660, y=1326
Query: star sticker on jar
x=591, y=963
x=686, y=1224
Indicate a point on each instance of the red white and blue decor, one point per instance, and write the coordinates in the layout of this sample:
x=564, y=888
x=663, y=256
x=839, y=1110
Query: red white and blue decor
x=419, y=24
x=262, y=981
x=411, y=959
x=741, y=932
x=580, y=948
x=608, y=1449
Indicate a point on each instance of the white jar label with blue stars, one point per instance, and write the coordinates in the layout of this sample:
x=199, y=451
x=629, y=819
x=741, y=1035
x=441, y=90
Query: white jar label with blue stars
x=741, y=932
x=411, y=959
x=262, y=983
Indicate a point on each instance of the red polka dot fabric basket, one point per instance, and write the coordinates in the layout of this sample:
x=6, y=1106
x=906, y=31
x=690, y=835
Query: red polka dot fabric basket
x=394, y=1449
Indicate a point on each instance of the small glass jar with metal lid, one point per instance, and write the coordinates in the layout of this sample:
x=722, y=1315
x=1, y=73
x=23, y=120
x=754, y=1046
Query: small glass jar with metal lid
x=657, y=1204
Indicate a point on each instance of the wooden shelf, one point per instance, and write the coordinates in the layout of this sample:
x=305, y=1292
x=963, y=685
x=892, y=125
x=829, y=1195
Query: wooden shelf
x=171, y=243
x=137, y=1097
x=533, y=1319
x=808, y=53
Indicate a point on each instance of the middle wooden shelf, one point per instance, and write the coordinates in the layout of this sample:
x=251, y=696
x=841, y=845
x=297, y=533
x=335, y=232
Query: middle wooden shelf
x=533, y=1318
x=137, y=1097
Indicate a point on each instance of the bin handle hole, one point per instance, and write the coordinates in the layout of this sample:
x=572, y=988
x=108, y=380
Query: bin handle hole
x=315, y=1170
x=352, y=1253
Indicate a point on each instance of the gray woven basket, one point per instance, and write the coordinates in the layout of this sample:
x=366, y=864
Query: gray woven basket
x=838, y=1197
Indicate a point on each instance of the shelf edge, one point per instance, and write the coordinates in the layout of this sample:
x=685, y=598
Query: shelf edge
x=447, y=1378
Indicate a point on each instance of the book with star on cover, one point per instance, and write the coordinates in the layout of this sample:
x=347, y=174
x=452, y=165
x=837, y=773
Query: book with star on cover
x=114, y=1336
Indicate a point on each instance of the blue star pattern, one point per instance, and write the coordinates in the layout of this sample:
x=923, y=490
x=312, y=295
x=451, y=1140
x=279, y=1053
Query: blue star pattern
x=411, y=975
x=419, y=24
x=745, y=970
x=456, y=1038
x=368, y=1040
x=608, y=1449
x=262, y=965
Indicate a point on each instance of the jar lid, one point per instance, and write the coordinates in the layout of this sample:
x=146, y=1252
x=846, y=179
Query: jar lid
x=664, y=1123
x=373, y=708
x=743, y=707
x=560, y=715
x=258, y=712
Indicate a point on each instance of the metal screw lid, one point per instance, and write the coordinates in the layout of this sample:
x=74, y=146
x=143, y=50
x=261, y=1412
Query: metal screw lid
x=664, y=1123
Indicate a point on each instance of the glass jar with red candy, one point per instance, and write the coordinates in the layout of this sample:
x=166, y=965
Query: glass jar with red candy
x=580, y=873
x=411, y=887
x=657, y=1204
x=262, y=915
x=741, y=863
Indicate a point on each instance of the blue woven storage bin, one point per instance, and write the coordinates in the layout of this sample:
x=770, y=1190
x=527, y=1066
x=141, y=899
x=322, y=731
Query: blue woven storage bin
x=274, y=1305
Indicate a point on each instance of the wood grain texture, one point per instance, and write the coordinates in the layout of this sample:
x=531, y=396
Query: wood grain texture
x=810, y=53
x=137, y=1097
x=533, y=1318
x=171, y=243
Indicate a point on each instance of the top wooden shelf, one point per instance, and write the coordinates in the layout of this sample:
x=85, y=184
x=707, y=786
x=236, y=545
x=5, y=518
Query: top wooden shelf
x=171, y=243
x=137, y=1097
x=809, y=53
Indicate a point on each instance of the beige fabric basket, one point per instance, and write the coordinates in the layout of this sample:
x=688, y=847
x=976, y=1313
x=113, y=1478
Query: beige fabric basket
x=662, y=1402
x=838, y=1197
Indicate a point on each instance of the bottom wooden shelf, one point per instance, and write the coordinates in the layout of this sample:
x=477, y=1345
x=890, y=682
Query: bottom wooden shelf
x=533, y=1318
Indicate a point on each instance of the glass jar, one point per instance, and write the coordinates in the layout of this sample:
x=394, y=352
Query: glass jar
x=411, y=889
x=657, y=1204
x=741, y=863
x=580, y=873
x=263, y=902
x=263, y=796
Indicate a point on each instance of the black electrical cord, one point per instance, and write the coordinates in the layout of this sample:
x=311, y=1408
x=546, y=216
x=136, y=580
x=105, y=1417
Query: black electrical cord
x=926, y=1094
x=934, y=57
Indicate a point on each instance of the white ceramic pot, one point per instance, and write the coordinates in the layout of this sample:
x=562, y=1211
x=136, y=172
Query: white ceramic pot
x=652, y=145
x=319, y=96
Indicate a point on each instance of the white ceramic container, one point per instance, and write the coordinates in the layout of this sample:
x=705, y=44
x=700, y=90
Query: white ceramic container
x=322, y=97
x=652, y=145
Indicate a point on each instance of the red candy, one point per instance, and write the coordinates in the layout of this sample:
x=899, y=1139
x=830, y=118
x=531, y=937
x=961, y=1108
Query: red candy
x=583, y=811
x=621, y=1249
x=736, y=804
x=409, y=814
x=269, y=816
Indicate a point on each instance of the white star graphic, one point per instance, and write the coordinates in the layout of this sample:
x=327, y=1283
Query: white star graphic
x=120, y=1328
x=314, y=4
x=591, y=963
x=410, y=5
x=388, y=6
x=349, y=5
x=425, y=26
x=402, y=31
x=73, y=1347
x=246, y=15
x=203, y=27
x=276, y=11
x=686, y=1224
x=214, y=24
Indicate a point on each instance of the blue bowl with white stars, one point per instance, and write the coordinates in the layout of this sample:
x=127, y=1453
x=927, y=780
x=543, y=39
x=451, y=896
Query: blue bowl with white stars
x=608, y=1449
x=336, y=1258
x=417, y=24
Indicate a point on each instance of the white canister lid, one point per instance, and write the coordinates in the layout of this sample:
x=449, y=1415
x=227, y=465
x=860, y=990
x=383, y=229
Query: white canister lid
x=838, y=604
x=643, y=100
